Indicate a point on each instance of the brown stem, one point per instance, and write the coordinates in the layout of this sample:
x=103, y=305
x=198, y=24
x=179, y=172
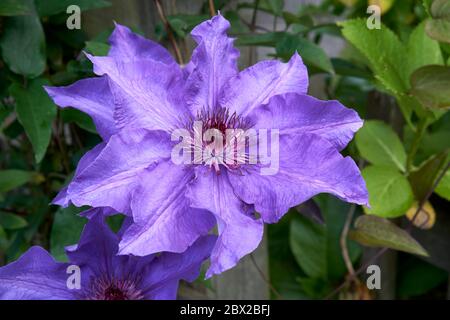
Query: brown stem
x=168, y=29
x=357, y=272
x=57, y=131
x=263, y=276
x=427, y=196
x=343, y=240
x=212, y=9
x=251, y=51
x=383, y=250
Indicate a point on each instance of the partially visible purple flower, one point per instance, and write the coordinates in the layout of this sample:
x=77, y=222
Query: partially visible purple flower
x=104, y=275
x=142, y=96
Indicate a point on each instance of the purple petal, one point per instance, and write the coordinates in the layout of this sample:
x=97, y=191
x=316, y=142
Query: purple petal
x=127, y=45
x=63, y=198
x=308, y=165
x=161, y=280
x=294, y=113
x=257, y=84
x=163, y=220
x=35, y=276
x=94, y=212
x=92, y=96
x=214, y=61
x=96, y=250
x=239, y=232
x=110, y=179
x=146, y=92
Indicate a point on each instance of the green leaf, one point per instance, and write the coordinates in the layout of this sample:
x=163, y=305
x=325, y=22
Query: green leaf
x=418, y=277
x=268, y=39
x=182, y=24
x=308, y=243
x=23, y=45
x=66, y=231
x=439, y=26
x=85, y=122
x=316, y=247
x=15, y=7
x=51, y=7
x=312, y=54
x=385, y=54
x=97, y=48
x=423, y=178
x=282, y=266
x=374, y=231
x=431, y=86
x=35, y=111
x=390, y=194
x=12, y=221
x=379, y=144
x=275, y=6
x=421, y=51
x=443, y=188
x=11, y=179
x=439, y=29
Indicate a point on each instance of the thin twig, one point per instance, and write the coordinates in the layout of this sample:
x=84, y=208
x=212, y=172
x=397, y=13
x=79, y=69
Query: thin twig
x=420, y=130
x=256, y=27
x=343, y=240
x=383, y=250
x=427, y=196
x=56, y=133
x=168, y=29
x=212, y=9
x=15, y=211
x=251, y=51
x=263, y=276
x=357, y=272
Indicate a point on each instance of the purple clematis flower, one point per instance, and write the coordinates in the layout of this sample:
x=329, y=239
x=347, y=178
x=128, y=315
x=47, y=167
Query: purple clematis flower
x=142, y=95
x=103, y=274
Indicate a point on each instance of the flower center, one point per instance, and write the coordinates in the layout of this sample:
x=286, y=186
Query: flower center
x=221, y=119
x=114, y=289
x=220, y=139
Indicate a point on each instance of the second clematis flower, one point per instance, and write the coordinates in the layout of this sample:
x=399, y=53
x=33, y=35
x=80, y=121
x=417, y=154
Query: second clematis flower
x=142, y=96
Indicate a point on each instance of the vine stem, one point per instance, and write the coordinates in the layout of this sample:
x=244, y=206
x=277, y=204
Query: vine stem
x=251, y=51
x=212, y=9
x=415, y=145
x=383, y=250
x=263, y=276
x=172, y=40
x=343, y=240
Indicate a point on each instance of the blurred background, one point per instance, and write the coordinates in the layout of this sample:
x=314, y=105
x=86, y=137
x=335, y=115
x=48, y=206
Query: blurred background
x=396, y=77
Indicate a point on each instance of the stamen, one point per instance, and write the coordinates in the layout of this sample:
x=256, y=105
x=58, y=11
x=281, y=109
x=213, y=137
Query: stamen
x=212, y=154
x=114, y=289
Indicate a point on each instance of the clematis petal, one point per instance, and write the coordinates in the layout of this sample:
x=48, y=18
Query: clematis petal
x=214, y=61
x=109, y=180
x=63, y=198
x=95, y=252
x=35, y=276
x=239, y=232
x=147, y=94
x=163, y=220
x=295, y=113
x=94, y=212
x=92, y=96
x=127, y=45
x=164, y=273
x=257, y=84
x=308, y=165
